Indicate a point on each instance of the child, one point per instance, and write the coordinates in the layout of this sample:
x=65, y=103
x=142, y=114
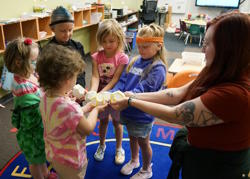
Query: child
x=19, y=56
x=65, y=125
x=62, y=24
x=143, y=74
x=107, y=67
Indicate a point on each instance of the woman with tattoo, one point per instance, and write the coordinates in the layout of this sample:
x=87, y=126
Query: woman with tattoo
x=214, y=108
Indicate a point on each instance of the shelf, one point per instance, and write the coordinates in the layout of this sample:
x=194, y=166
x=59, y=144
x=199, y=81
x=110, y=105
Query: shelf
x=86, y=15
x=130, y=23
x=78, y=18
x=30, y=28
x=12, y=31
x=43, y=24
x=38, y=28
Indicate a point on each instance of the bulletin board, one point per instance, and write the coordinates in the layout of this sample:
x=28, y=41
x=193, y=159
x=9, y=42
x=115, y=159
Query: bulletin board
x=178, y=6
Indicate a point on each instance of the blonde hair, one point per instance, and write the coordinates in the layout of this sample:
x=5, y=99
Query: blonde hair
x=56, y=64
x=17, y=56
x=151, y=30
x=110, y=27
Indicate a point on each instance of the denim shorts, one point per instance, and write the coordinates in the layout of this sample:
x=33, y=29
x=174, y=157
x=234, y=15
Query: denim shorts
x=136, y=129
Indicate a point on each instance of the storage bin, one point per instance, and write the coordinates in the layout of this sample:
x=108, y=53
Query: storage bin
x=95, y=17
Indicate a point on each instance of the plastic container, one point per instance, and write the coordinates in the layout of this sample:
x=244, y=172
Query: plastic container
x=95, y=17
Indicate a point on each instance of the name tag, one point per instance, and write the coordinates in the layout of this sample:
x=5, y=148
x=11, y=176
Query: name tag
x=136, y=71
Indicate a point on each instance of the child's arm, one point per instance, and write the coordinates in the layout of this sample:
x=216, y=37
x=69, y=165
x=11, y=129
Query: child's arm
x=87, y=125
x=95, y=77
x=115, y=78
x=153, y=81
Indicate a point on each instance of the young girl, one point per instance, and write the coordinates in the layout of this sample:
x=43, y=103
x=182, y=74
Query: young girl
x=146, y=73
x=108, y=65
x=20, y=57
x=65, y=125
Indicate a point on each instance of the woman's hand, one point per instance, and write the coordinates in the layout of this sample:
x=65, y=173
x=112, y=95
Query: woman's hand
x=101, y=108
x=120, y=104
x=129, y=93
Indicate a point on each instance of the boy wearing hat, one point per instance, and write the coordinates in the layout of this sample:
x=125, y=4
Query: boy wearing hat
x=62, y=24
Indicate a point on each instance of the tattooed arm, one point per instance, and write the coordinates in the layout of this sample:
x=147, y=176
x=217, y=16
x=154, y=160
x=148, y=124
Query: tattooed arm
x=170, y=96
x=192, y=113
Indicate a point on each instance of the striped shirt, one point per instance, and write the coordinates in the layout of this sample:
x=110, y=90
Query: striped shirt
x=62, y=142
x=22, y=86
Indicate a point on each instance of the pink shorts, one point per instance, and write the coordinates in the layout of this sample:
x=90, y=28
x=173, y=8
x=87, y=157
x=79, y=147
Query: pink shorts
x=115, y=115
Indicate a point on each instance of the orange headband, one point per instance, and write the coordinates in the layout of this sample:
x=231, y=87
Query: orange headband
x=149, y=39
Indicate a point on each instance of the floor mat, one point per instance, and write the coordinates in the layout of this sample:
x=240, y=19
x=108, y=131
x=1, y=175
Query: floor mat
x=161, y=139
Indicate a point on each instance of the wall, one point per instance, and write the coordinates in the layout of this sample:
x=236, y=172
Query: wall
x=194, y=10
x=14, y=8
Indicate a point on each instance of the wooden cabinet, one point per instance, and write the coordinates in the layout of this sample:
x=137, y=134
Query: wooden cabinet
x=38, y=28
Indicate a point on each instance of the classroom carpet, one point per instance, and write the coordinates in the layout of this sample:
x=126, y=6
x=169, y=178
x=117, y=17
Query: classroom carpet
x=161, y=138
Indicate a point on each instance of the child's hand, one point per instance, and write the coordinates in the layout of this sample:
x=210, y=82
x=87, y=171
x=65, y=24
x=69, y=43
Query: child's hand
x=88, y=107
x=70, y=95
x=120, y=104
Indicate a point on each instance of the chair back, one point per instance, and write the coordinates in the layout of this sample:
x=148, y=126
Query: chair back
x=182, y=78
x=149, y=11
x=183, y=26
x=194, y=29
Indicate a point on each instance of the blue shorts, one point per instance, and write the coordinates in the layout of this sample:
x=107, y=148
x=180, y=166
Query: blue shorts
x=136, y=129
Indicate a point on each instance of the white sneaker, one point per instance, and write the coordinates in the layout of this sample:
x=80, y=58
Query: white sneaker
x=99, y=154
x=143, y=174
x=119, y=156
x=128, y=168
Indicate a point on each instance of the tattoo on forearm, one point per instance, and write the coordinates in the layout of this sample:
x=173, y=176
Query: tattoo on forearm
x=186, y=112
x=170, y=93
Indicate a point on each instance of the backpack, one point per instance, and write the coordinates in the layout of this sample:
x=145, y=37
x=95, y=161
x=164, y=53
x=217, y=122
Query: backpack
x=6, y=79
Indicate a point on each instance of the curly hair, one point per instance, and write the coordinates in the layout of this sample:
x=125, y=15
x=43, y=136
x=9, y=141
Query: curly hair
x=56, y=64
x=17, y=56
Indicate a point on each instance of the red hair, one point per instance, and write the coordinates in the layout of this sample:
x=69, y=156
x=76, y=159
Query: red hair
x=231, y=62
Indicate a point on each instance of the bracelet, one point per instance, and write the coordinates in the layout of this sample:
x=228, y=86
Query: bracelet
x=129, y=100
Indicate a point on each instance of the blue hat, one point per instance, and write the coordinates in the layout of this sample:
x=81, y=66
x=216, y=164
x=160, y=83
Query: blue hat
x=61, y=15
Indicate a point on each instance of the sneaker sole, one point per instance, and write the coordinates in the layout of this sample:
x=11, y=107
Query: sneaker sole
x=97, y=159
x=131, y=171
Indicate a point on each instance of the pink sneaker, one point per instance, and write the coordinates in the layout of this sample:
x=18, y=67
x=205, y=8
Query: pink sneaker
x=52, y=175
x=128, y=168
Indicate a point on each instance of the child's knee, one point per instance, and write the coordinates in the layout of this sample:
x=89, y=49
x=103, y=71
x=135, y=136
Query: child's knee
x=117, y=125
x=104, y=122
